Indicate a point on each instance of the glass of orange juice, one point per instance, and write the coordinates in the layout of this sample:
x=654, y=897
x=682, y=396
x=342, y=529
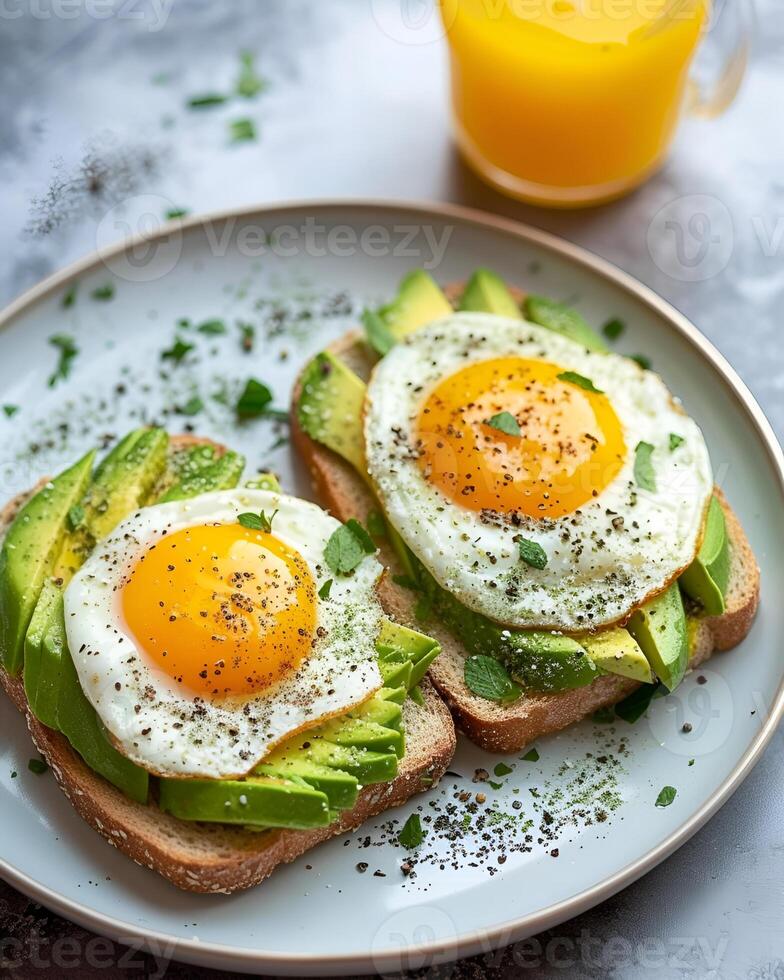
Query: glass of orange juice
x=574, y=102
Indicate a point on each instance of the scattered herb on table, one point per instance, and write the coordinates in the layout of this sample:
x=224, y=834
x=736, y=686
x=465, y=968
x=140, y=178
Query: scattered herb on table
x=502, y=769
x=666, y=796
x=38, y=766
x=325, y=589
x=177, y=352
x=412, y=834
x=613, y=329
x=10, y=410
x=103, y=293
x=193, y=406
x=531, y=755
x=66, y=345
x=675, y=441
x=249, y=83
x=206, y=101
x=242, y=130
x=254, y=400
x=69, y=297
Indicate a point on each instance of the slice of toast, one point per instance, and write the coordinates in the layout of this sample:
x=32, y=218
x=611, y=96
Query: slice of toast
x=215, y=858
x=508, y=728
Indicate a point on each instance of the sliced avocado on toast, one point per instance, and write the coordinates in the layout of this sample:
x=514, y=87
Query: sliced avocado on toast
x=707, y=578
x=487, y=293
x=564, y=320
x=661, y=631
x=418, y=302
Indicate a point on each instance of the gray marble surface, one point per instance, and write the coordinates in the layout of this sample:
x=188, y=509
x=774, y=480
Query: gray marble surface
x=92, y=111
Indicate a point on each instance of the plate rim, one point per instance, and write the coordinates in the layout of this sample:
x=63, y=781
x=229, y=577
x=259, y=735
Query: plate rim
x=481, y=940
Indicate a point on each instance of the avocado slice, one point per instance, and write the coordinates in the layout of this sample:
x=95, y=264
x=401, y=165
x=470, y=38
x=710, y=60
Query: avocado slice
x=487, y=293
x=330, y=408
x=419, y=301
x=615, y=651
x=28, y=554
x=362, y=733
x=340, y=788
x=660, y=629
x=381, y=710
x=707, y=578
x=263, y=481
x=564, y=320
x=366, y=765
x=221, y=474
x=41, y=664
x=264, y=801
x=395, y=695
x=396, y=643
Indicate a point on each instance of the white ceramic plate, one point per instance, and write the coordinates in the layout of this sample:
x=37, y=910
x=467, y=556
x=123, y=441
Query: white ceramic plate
x=583, y=798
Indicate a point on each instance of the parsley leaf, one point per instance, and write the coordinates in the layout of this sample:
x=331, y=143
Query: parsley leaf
x=502, y=769
x=644, y=473
x=206, y=101
x=488, y=678
x=10, y=410
x=531, y=755
x=325, y=589
x=412, y=834
x=633, y=707
x=675, y=441
x=103, y=293
x=249, y=84
x=193, y=406
x=505, y=422
x=177, y=352
x=613, y=329
x=532, y=554
x=257, y=522
x=347, y=546
x=68, y=351
x=174, y=213
x=212, y=327
x=69, y=297
x=242, y=130
x=572, y=377
x=38, y=766
x=378, y=334
x=666, y=796
x=254, y=400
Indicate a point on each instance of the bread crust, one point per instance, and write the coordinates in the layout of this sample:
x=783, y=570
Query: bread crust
x=212, y=858
x=509, y=728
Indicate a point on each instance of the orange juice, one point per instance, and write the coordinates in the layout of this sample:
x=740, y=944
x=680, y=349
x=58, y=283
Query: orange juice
x=569, y=101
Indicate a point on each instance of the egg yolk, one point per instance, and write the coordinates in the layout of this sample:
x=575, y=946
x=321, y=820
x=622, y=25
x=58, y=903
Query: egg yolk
x=562, y=446
x=221, y=609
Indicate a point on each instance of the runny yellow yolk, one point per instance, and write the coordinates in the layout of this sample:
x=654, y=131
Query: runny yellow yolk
x=221, y=609
x=570, y=445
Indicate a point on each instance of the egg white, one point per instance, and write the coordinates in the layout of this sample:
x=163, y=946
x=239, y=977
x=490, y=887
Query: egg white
x=598, y=571
x=140, y=705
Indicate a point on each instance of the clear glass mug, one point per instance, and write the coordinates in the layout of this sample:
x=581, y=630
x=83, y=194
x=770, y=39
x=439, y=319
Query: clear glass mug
x=569, y=103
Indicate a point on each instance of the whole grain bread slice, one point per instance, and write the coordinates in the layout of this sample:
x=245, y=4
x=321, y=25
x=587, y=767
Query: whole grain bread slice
x=508, y=728
x=215, y=858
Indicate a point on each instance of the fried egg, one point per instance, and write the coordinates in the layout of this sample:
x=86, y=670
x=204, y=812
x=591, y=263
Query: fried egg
x=203, y=643
x=497, y=446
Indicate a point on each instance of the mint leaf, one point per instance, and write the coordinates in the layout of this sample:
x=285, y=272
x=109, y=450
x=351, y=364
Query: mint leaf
x=531, y=755
x=613, y=329
x=532, y=554
x=502, y=769
x=412, y=834
x=675, y=441
x=254, y=399
x=488, y=678
x=212, y=327
x=633, y=707
x=505, y=422
x=572, y=377
x=103, y=293
x=644, y=473
x=347, y=546
x=325, y=589
x=38, y=766
x=177, y=352
x=666, y=796
x=257, y=522
x=68, y=351
x=378, y=334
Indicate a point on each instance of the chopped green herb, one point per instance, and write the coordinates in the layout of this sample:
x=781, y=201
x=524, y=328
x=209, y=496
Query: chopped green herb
x=249, y=84
x=206, y=101
x=184, y=322
x=376, y=524
x=14, y=774
x=177, y=352
x=488, y=678
x=38, y=766
x=666, y=796
x=613, y=329
x=69, y=297
x=10, y=410
x=505, y=422
x=378, y=334
x=103, y=293
x=254, y=400
x=572, y=377
x=423, y=608
x=642, y=360
x=75, y=517
x=412, y=834
x=325, y=589
x=193, y=406
x=502, y=769
x=347, y=547
x=675, y=441
x=174, y=213
x=212, y=327
x=493, y=785
x=532, y=554
x=242, y=130
x=531, y=755
x=644, y=473
x=247, y=336
x=632, y=708
x=68, y=351
x=406, y=582
x=257, y=522
x=691, y=762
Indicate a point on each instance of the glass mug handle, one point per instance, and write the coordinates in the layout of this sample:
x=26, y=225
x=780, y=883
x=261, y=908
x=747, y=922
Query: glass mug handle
x=722, y=60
